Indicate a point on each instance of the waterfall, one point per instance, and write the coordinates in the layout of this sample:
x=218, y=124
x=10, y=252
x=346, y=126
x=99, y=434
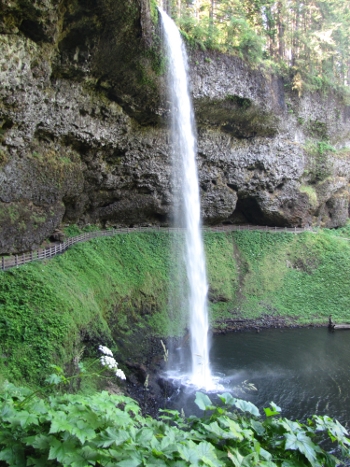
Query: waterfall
x=187, y=214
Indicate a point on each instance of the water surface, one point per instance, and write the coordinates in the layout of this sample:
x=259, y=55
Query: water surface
x=304, y=371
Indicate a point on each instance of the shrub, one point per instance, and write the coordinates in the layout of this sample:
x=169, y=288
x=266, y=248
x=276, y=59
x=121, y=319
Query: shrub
x=108, y=430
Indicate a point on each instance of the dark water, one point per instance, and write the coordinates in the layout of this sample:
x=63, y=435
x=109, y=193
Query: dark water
x=304, y=371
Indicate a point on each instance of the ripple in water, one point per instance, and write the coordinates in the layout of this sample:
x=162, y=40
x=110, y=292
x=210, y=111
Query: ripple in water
x=304, y=371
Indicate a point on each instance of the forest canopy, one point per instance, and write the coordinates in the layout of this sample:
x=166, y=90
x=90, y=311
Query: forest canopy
x=307, y=40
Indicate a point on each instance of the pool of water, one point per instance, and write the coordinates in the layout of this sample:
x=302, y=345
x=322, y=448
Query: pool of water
x=304, y=371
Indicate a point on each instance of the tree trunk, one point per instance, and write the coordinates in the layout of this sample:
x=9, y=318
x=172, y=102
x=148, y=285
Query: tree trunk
x=280, y=27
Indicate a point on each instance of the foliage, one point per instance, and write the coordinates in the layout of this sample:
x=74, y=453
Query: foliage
x=319, y=164
x=73, y=230
x=311, y=192
x=51, y=310
x=105, y=430
x=154, y=11
x=241, y=102
x=308, y=42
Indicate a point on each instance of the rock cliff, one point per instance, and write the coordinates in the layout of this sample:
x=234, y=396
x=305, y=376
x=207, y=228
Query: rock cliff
x=83, y=129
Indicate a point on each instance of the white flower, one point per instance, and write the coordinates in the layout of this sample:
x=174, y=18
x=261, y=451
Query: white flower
x=109, y=362
x=105, y=350
x=120, y=374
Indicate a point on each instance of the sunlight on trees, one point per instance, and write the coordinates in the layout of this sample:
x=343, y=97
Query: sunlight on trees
x=308, y=41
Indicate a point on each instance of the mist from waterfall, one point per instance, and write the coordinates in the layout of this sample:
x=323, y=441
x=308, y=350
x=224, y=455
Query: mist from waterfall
x=187, y=200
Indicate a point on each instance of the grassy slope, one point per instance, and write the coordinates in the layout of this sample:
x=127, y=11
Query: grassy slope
x=113, y=286
x=305, y=277
x=49, y=308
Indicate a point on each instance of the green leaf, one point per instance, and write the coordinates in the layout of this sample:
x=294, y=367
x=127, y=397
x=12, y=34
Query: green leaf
x=293, y=463
x=247, y=406
x=227, y=398
x=40, y=441
x=82, y=431
x=79, y=463
x=207, y=455
x=274, y=410
x=267, y=464
x=38, y=462
x=144, y=436
x=13, y=456
x=7, y=412
x=303, y=444
x=60, y=423
x=90, y=453
x=257, y=426
x=39, y=407
x=154, y=461
x=55, y=379
x=290, y=426
x=236, y=431
x=57, y=450
x=112, y=436
x=275, y=407
x=235, y=457
x=81, y=367
x=77, y=459
x=86, y=414
x=188, y=452
x=131, y=406
x=132, y=462
x=265, y=454
x=58, y=369
x=333, y=427
x=269, y=412
x=172, y=412
x=61, y=450
x=250, y=460
x=203, y=401
x=215, y=429
x=120, y=418
x=25, y=419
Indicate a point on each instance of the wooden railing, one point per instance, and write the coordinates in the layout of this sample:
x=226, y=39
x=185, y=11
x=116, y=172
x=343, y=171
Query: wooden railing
x=49, y=252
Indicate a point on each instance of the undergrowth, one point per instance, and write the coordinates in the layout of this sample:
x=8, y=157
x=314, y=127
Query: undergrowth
x=108, y=430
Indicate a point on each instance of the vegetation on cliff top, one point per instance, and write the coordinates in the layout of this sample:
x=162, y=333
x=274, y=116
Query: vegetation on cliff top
x=307, y=41
x=108, y=289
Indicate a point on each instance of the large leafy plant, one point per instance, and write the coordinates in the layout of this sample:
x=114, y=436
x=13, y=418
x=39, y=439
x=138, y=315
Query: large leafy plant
x=108, y=430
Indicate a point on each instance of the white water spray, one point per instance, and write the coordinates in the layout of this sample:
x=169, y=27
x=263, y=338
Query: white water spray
x=184, y=156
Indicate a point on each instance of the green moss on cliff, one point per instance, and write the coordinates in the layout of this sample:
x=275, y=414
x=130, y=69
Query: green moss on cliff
x=3, y=158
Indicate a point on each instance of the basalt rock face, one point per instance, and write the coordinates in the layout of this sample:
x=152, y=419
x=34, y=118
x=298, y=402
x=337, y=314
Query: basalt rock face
x=83, y=138
x=266, y=146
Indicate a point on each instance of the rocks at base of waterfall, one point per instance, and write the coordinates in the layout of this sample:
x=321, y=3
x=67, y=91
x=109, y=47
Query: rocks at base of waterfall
x=266, y=321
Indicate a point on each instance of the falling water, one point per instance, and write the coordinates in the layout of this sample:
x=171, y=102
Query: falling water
x=185, y=167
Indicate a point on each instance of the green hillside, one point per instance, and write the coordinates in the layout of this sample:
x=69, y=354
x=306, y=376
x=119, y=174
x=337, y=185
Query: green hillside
x=109, y=290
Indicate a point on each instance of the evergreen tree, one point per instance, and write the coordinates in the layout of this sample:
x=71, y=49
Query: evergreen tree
x=310, y=38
